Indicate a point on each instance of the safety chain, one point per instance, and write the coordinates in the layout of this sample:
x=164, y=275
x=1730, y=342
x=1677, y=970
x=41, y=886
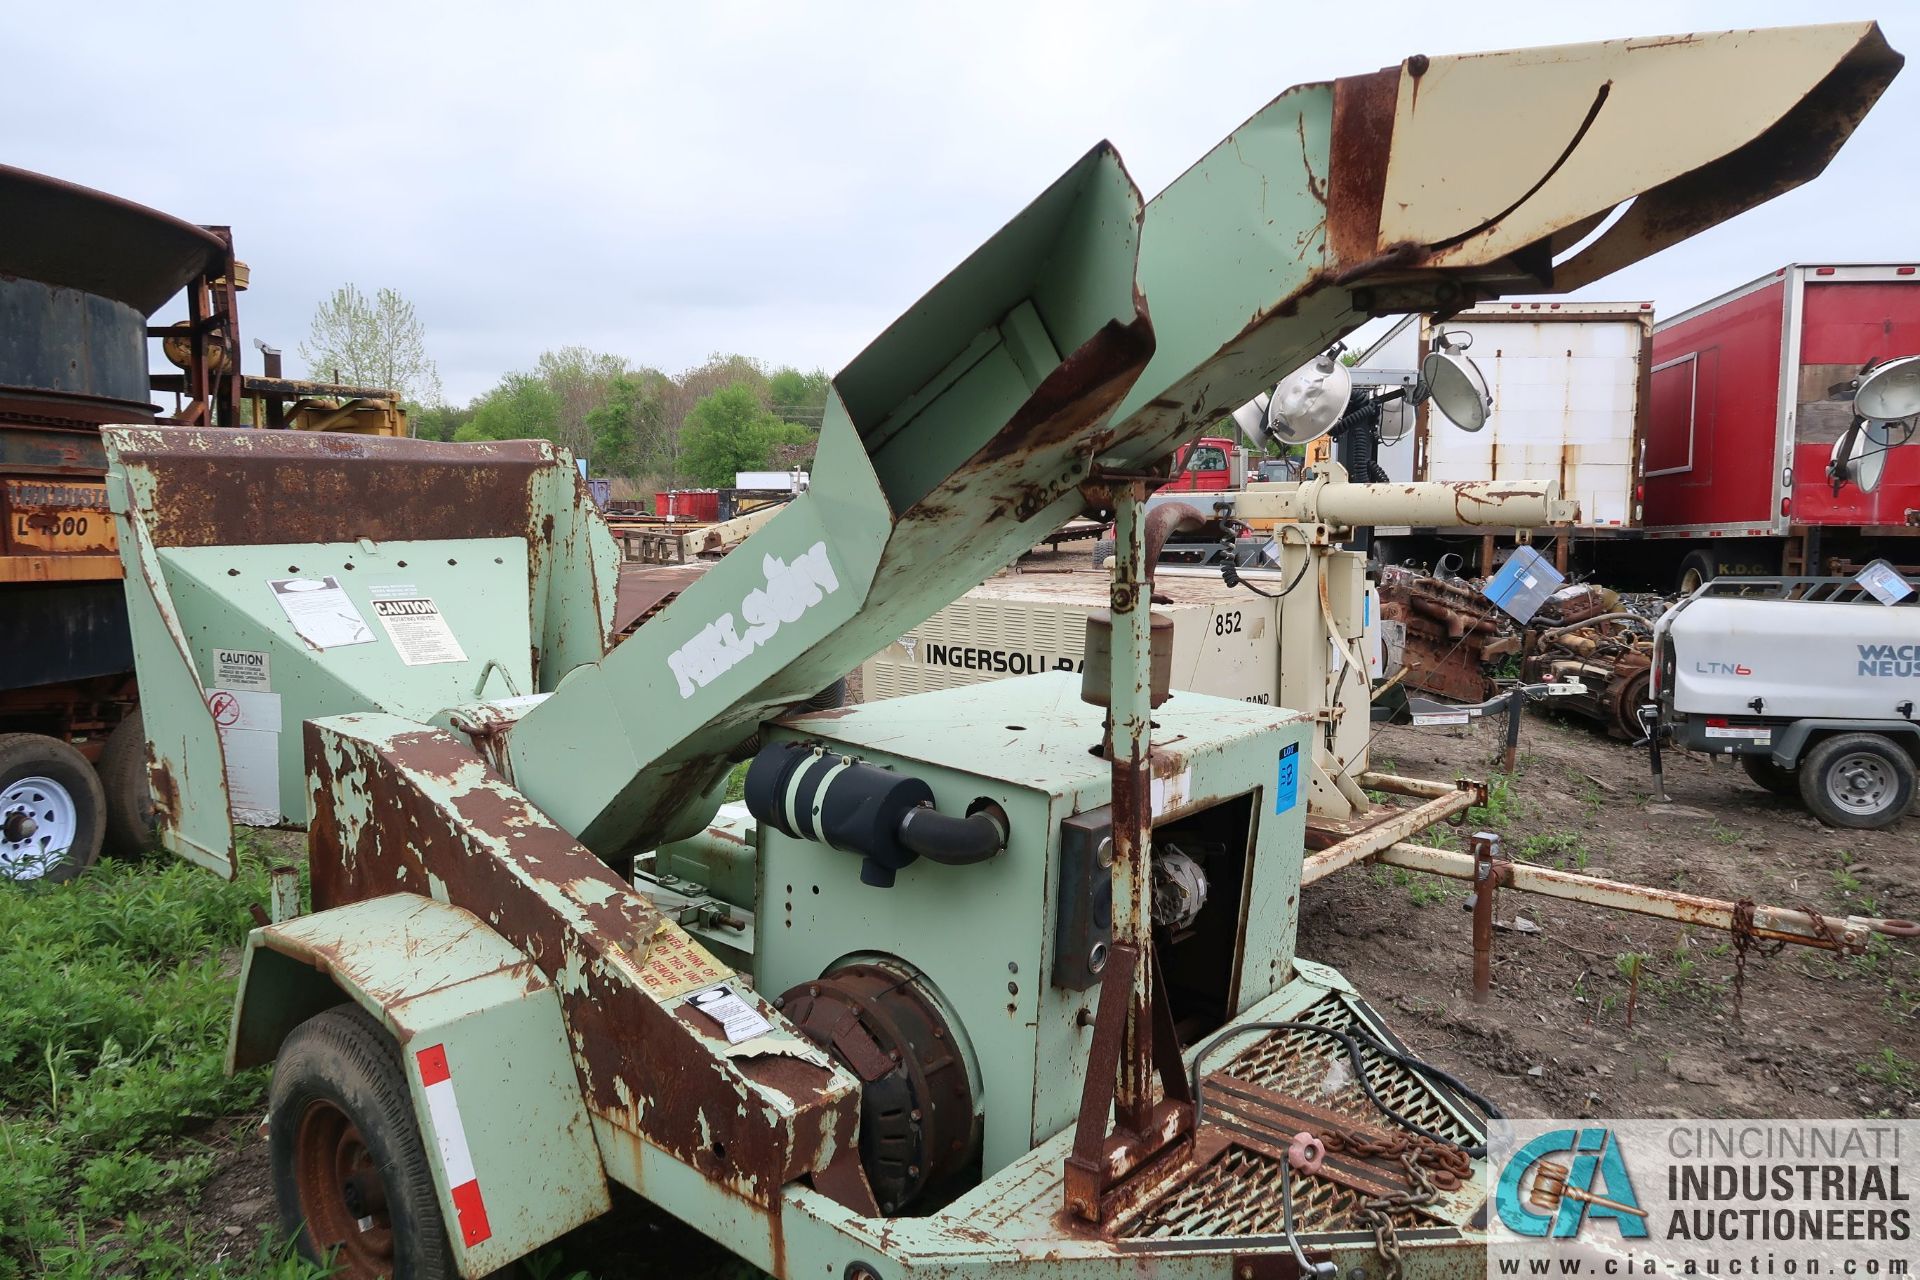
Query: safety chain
x=1825, y=930
x=1378, y=1213
x=1449, y=1166
x=1745, y=939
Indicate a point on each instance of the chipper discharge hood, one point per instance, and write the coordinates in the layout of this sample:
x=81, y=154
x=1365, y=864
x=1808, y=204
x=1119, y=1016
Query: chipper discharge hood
x=977, y=1068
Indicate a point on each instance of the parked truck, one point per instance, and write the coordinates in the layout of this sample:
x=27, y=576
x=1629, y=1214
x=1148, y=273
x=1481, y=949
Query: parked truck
x=1696, y=445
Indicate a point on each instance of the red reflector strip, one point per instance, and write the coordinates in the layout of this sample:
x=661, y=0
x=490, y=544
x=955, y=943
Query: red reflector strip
x=450, y=1136
x=473, y=1213
x=433, y=1065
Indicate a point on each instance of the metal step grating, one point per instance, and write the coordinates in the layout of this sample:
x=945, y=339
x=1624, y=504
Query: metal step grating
x=1238, y=1194
x=1298, y=1062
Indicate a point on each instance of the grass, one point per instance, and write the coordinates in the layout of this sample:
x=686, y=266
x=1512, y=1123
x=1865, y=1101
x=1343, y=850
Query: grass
x=112, y=1089
x=1422, y=890
x=1499, y=808
x=1890, y=1069
x=1557, y=848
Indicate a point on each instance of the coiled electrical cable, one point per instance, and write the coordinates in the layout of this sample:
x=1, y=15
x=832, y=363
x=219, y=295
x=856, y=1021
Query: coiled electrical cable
x=1352, y=1042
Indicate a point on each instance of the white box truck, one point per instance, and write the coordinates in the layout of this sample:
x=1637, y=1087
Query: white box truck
x=1570, y=384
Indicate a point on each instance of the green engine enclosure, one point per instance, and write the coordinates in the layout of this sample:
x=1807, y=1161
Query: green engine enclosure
x=1031, y=746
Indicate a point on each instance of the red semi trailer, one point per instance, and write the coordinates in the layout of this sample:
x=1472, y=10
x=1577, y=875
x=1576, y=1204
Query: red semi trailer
x=1741, y=424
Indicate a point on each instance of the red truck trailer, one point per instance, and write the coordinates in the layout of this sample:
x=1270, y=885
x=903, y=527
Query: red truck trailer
x=1741, y=425
x=1697, y=446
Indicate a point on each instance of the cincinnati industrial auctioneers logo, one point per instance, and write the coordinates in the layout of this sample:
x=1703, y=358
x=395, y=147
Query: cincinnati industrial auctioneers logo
x=1588, y=1178
x=1743, y=1198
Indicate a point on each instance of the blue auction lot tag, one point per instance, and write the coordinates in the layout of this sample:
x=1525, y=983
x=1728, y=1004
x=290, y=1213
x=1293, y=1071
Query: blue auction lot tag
x=1286, y=790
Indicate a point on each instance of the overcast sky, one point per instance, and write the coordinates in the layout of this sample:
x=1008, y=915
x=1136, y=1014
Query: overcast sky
x=668, y=180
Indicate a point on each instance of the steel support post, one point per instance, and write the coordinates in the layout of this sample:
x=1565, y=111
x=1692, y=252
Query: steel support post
x=1129, y=727
x=284, y=884
x=1516, y=709
x=1486, y=878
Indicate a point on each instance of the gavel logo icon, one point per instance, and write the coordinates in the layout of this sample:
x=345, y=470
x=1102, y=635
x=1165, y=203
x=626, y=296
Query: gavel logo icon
x=1537, y=1181
x=1550, y=1188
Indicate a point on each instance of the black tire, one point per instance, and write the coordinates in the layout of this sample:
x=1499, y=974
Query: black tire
x=1696, y=569
x=1769, y=776
x=130, y=815
x=48, y=793
x=1102, y=552
x=1859, y=780
x=342, y=1066
x=1736, y=560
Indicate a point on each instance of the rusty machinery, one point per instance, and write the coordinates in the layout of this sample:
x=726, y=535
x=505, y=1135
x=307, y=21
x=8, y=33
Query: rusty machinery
x=81, y=273
x=1452, y=639
x=1003, y=980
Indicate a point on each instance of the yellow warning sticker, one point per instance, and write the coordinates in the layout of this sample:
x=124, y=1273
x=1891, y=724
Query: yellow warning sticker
x=672, y=963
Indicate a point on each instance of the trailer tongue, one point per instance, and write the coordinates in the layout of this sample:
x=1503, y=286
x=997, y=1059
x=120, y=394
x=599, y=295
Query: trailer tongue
x=1013, y=987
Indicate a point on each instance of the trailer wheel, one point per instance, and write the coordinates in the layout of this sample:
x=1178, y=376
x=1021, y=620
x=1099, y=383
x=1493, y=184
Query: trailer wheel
x=1696, y=570
x=50, y=809
x=350, y=1172
x=1102, y=552
x=1784, y=783
x=1857, y=780
x=129, y=796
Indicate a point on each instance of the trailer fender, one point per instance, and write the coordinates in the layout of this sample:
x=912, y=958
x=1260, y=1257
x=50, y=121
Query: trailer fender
x=494, y=1088
x=1791, y=742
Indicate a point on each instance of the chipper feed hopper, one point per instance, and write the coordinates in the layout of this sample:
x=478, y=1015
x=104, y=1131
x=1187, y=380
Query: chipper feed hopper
x=1005, y=982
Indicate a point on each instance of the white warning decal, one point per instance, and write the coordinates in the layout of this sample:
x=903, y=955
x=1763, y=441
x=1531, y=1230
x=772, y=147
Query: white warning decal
x=249, y=724
x=320, y=612
x=419, y=633
x=740, y=1020
x=242, y=669
x=791, y=590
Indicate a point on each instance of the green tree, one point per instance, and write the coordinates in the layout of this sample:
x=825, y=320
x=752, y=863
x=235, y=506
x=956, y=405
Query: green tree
x=375, y=341
x=730, y=430
x=437, y=421
x=629, y=427
x=581, y=380
x=521, y=407
x=798, y=397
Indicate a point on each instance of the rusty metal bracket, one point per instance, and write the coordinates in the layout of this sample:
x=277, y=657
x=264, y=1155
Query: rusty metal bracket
x=1489, y=872
x=1102, y=1163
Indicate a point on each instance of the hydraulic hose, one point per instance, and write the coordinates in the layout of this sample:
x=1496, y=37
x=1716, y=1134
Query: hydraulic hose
x=956, y=842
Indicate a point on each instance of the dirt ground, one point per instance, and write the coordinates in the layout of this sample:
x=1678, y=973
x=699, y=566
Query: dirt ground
x=1819, y=1036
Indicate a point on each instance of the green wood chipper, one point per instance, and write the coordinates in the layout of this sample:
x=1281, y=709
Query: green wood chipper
x=995, y=980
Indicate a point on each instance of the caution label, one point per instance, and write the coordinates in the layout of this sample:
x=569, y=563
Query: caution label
x=672, y=964
x=242, y=669
x=419, y=633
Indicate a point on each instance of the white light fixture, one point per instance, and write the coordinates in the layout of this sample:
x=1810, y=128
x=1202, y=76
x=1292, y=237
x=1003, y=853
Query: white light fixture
x=1886, y=398
x=1305, y=406
x=1890, y=391
x=1454, y=382
x=1860, y=455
